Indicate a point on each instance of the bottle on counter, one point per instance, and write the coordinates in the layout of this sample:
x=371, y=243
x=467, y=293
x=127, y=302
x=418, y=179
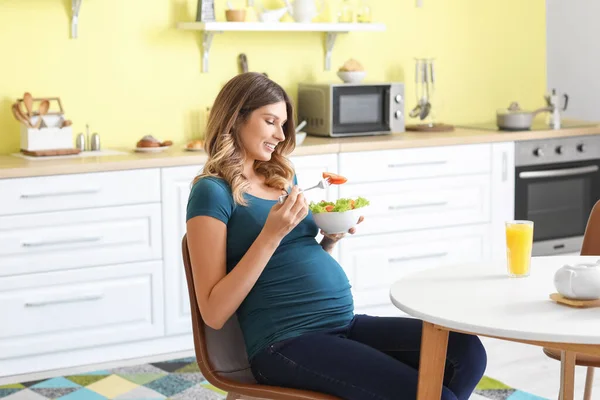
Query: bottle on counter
x=95, y=142
x=80, y=142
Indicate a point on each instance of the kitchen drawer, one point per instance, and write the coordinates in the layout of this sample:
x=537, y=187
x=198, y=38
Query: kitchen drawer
x=65, y=310
x=374, y=263
x=421, y=204
x=384, y=165
x=76, y=191
x=78, y=239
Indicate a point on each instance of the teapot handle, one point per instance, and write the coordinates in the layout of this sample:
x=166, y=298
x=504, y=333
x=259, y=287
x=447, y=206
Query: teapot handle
x=570, y=283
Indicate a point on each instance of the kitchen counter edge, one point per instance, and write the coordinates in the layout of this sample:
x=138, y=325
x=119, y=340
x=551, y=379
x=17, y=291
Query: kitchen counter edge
x=18, y=167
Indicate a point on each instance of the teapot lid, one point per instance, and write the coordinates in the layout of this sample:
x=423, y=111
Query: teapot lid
x=582, y=266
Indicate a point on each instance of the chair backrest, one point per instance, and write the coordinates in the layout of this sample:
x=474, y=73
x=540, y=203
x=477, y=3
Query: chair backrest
x=221, y=354
x=591, y=239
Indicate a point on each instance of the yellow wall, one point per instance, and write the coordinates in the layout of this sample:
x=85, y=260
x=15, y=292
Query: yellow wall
x=131, y=73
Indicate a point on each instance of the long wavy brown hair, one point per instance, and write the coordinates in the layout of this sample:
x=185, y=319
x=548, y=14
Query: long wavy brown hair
x=235, y=102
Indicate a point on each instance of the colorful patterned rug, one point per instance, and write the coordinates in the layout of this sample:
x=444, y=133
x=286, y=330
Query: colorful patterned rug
x=175, y=379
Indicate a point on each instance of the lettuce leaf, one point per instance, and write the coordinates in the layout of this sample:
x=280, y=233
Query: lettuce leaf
x=341, y=205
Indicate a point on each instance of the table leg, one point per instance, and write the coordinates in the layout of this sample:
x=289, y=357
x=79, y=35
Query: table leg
x=434, y=343
x=567, y=375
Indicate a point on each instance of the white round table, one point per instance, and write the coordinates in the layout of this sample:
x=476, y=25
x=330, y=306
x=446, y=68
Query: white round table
x=482, y=299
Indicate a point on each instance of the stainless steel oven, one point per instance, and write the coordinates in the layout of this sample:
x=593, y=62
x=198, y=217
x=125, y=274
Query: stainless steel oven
x=557, y=183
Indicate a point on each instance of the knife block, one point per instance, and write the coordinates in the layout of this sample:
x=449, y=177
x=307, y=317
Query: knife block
x=46, y=138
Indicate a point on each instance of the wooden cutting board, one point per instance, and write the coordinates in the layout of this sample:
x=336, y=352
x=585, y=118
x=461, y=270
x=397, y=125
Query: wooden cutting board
x=428, y=128
x=54, y=152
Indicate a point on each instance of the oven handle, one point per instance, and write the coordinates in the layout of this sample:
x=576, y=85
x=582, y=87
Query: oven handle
x=552, y=173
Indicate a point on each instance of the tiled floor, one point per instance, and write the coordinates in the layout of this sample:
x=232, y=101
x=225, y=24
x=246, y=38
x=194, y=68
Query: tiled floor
x=177, y=379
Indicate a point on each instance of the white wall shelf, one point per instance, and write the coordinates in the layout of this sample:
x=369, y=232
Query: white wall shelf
x=331, y=31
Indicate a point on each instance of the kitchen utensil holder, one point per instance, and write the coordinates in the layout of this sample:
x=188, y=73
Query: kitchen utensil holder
x=46, y=138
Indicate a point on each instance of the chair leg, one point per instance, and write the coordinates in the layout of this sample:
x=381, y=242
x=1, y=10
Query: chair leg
x=589, y=382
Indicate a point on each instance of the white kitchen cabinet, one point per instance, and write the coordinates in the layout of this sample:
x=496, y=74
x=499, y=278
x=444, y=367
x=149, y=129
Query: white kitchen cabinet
x=78, y=191
x=407, y=205
x=66, y=310
x=430, y=207
x=373, y=262
x=415, y=163
x=176, y=186
x=49, y=241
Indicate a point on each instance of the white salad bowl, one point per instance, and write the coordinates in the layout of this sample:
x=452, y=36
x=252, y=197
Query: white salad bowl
x=337, y=222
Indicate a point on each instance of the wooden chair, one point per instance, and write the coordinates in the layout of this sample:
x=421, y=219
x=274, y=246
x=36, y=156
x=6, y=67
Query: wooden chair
x=590, y=247
x=222, y=359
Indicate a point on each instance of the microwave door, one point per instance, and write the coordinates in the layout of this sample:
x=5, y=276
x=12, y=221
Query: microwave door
x=360, y=110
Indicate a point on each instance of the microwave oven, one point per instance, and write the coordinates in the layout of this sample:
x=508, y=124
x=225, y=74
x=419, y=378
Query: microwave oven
x=355, y=109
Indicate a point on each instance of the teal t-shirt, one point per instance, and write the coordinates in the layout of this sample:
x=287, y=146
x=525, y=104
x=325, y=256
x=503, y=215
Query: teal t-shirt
x=301, y=289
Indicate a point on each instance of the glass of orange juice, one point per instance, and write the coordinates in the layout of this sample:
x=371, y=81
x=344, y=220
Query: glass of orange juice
x=519, y=241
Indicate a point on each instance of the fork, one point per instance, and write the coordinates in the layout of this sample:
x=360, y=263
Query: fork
x=323, y=183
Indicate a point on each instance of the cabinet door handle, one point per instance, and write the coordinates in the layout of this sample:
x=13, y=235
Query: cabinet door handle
x=54, y=194
x=85, y=297
x=504, y=166
x=441, y=162
x=62, y=241
x=418, y=205
x=421, y=257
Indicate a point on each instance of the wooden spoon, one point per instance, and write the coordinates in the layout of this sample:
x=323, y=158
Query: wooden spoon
x=44, y=106
x=23, y=113
x=19, y=115
x=28, y=100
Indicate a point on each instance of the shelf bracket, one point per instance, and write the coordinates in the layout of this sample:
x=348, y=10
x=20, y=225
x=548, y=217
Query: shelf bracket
x=75, y=6
x=329, y=43
x=207, y=38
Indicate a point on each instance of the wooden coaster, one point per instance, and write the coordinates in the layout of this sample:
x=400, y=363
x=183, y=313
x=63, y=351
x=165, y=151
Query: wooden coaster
x=54, y=152
x=430, y=128
x=559, y=298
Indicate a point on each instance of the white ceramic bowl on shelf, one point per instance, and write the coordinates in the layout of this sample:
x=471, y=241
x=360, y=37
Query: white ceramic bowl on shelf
x=352, y=76
x=300, y=136
x=337, y=222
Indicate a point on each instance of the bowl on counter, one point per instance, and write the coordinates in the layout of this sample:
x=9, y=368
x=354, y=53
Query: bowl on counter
x=352, y=76
x=300, y=136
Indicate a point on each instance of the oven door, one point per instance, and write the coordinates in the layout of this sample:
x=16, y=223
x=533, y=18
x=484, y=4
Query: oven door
x=558, y=198
x=359, y=110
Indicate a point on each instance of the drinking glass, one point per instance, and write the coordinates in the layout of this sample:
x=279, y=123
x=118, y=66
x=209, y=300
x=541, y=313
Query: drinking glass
x=519, y=242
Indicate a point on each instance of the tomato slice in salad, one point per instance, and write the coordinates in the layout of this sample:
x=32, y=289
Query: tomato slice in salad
x=334, y=179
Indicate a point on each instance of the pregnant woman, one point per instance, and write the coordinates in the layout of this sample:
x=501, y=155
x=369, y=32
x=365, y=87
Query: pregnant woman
x=260, y=259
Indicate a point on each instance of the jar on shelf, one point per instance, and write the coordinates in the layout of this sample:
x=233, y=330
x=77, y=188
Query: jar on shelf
x=363, y=12
x=346, y=14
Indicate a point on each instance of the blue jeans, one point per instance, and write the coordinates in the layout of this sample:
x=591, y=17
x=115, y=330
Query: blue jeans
x=371, y=358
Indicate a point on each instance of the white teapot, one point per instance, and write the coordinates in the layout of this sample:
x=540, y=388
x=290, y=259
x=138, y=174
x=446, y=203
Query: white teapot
x=304, y=10
x=578, y=281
